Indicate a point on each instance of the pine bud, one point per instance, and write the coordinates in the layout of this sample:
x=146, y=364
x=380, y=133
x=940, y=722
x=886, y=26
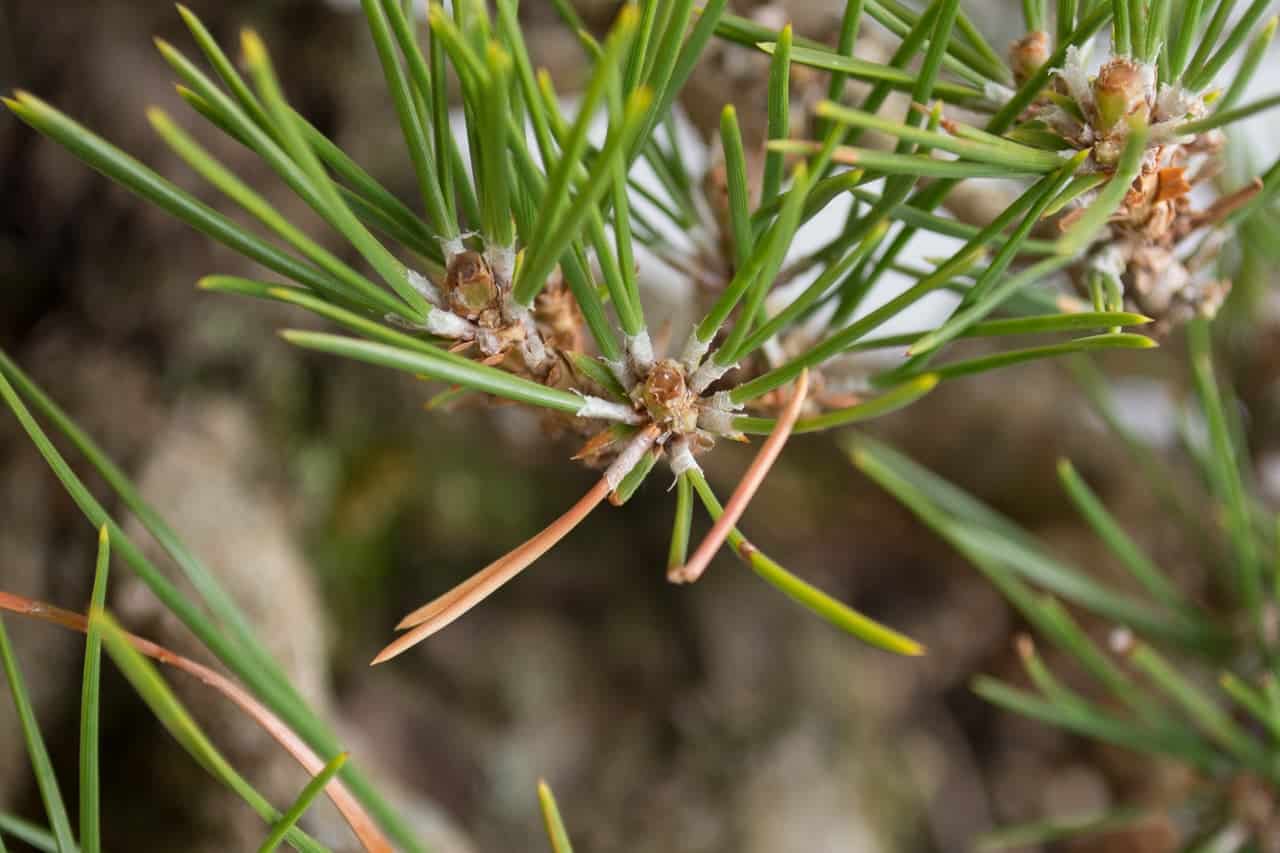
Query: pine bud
x=1119, y=91
x=665, y=395
x=470, y=284
x=1028, y=55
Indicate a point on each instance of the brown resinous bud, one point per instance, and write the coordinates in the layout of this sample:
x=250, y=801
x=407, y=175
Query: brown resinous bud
x=1120, y=92
x=665, y=395
x=1028, y=55
x=469, y=285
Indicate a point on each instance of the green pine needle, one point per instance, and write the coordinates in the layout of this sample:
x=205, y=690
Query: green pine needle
x=442, y=367
x=871, y=72
x=124, y=169
x=1070, y=829
x=807, y=596
x=28, y=833
x=735, y=166
x=37, y=752
x=556, y=831
x=679, y=550
x=90, y=701
x=779, y=113
x=887, y=403
x=1146, y=572
x=313, y=789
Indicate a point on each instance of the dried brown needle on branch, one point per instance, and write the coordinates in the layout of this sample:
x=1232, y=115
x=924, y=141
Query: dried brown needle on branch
x=439, y=613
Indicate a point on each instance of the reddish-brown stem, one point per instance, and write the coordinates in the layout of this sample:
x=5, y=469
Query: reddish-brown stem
x=361, y=824
x=1228, y=204
x=747, y=487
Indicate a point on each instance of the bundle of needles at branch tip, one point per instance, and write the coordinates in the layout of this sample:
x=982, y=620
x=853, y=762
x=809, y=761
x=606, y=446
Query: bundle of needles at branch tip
x=517, y=274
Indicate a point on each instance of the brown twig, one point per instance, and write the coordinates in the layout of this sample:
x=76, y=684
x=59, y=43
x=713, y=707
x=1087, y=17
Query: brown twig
x=1228, y=204
x=751, y=480
x=370, y=837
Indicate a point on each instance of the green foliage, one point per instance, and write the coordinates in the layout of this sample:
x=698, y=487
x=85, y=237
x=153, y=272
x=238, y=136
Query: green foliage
x=90, y=712
x=314, y=787
x=171, y=713
x=474, y=288
x=37, y=752
x=556, y=831
x=1180, y=681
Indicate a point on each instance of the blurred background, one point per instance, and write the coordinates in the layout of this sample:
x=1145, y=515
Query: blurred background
x=713, y=718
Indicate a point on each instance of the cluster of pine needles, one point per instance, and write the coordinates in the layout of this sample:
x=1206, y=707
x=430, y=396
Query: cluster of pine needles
x=516, y=274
